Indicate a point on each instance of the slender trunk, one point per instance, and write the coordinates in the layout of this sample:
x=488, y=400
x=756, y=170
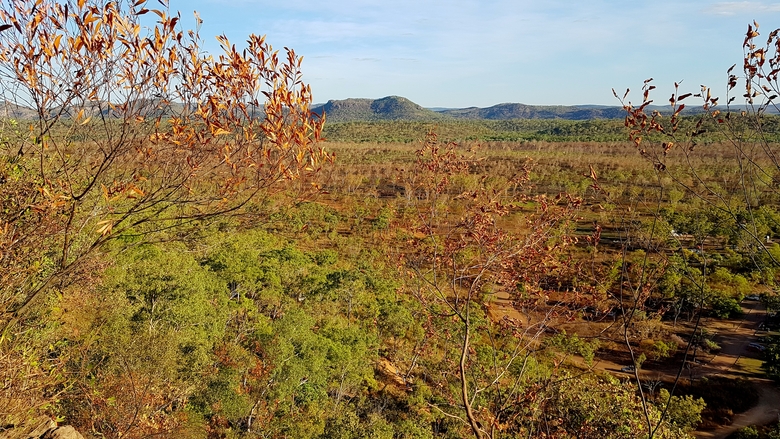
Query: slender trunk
x=251, y=417
x=340, y=393
x=464, y=383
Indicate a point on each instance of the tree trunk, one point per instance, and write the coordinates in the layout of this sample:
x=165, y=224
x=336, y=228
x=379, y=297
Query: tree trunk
x=464, y=384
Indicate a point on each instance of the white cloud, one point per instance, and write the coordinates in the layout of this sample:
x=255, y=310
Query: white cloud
x=734, y=8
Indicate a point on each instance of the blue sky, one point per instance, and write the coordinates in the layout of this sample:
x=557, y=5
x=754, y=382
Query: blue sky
x=459, y=53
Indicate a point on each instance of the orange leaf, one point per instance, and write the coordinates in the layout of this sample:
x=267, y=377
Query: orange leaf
x=90, y=18
x=105, y=228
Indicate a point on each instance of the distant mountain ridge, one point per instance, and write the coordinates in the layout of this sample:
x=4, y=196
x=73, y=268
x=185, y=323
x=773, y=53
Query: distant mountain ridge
x=392, y=108
x=523, y=111
x=14, y=111
x=400, y=108
x=145, y=107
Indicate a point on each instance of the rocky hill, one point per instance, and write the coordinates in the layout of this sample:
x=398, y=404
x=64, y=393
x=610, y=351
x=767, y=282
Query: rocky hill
x=388, y=108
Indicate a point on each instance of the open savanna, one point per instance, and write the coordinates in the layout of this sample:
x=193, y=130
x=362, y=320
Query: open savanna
x=639, y=229
x=338, y=305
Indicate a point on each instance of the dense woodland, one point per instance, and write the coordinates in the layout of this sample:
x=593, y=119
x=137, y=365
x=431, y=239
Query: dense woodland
x=187, y=251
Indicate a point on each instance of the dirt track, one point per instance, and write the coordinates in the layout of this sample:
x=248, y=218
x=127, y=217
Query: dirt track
x=766, y=412
x=734, y=337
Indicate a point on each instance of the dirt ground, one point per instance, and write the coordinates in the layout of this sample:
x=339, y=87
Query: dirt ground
x=735, y=360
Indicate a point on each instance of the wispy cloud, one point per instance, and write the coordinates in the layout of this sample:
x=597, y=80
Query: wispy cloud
x=741, y=8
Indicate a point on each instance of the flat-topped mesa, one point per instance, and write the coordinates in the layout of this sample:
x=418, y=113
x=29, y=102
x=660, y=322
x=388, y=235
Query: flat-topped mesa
x=387, y=108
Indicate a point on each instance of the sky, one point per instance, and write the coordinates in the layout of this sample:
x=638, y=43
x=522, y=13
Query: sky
x=462, y=53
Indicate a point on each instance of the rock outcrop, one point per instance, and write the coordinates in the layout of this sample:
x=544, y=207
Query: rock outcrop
x=41, y=428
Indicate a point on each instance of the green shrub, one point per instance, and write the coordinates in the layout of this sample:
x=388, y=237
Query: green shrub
x=745, y=433
x=684, y=412
x=724, y=307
